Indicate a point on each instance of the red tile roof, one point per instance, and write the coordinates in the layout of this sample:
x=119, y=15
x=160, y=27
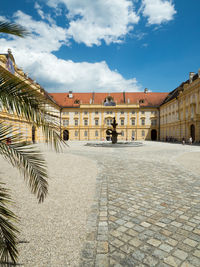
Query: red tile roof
x=144, y=99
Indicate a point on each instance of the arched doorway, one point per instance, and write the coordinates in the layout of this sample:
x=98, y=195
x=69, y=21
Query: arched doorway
x=153, y=135
x=192, y=132
x=65, y=135
x=33, y=134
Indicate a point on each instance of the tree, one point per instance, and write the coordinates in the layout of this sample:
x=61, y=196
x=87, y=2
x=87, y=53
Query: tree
x=18, y=98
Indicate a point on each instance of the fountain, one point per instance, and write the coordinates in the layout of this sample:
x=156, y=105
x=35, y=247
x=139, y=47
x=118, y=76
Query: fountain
x=113, y=133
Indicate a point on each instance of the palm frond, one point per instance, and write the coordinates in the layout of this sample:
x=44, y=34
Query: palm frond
x=16, y=97
x=8, y=231
x=28, y=160
x=12, y=28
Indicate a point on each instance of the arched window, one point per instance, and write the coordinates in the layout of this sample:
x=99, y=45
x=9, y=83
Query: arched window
x=109, y=101
x=143, y=133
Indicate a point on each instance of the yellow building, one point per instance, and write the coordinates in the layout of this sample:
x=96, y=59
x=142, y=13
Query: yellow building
x=20, y=124
x=180, y=112
x=87, y=116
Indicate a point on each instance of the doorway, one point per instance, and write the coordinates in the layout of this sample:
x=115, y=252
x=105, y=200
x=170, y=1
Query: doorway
x=33, y=134
x=153, y=135
x=192, y=132
x=65, y=135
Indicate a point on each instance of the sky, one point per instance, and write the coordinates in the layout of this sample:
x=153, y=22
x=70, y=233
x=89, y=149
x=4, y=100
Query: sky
x=105, y=45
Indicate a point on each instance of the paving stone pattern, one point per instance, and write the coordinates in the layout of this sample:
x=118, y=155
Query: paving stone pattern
x=146, y=210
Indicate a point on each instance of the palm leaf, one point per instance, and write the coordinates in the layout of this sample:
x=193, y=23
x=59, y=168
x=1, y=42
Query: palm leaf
x=8, y=231
x=16, y=97
x=12, y=28
x=27, y=159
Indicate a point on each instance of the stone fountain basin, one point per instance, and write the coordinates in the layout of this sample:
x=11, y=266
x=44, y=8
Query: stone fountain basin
x=117, y=145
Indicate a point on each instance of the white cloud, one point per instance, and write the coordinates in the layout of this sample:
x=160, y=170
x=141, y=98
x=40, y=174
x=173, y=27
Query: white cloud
x=158, y=11
x=63, y=75
x=39, y=10
x=2, y=18
x=44, y=37
x=44, y=15
x=92, y=21
x=34, y=55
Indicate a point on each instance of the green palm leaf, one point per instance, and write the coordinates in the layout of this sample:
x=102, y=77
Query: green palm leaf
x=17, y=98
x=8, y=238
x=27, y=159
x=12, y=28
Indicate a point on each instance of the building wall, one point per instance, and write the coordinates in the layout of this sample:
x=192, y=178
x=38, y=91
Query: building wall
x=124, y=115
x=19, y=124
x=174, y=119
x=178, y=115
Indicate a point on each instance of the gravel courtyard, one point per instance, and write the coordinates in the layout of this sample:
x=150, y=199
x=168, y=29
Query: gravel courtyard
x=134, y=206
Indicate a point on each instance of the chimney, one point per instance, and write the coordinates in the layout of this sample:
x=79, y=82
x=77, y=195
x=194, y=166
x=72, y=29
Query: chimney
x=191, y=76
x=128, y=101
x=93, y=97
x=70, y=94
x=145, y=90
x=124, y=97
x=90, y=101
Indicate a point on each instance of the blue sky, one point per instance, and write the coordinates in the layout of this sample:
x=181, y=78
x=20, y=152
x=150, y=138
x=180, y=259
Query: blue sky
x=112, y=45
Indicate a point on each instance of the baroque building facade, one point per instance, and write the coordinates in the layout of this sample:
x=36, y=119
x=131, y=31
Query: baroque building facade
x=87, y=116
x=180, y=111
x=140, y=115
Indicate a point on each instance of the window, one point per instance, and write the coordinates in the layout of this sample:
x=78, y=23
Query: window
x=76, y=101
x=143, y=133
x=122, y=122
x=133, y=112
x=133, y=122
x=76, y=133
x=153, y=122
x=108, y=112
x=85, y=133
x=85, y=112
x=143, y=122
x=96, y=122
x=133, y=133
x=122, y=133
x=65, y=122
x=122, y=112
x=85, y=122
x=96, y=112
x=65, y=113
x=76, y=122
x=108, y=121
x=192, y=112
x=96, y=133
x=76, y=112
x=142, y=112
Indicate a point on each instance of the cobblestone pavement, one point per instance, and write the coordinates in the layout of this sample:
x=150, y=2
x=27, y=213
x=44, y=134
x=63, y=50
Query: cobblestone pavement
x=146, y=210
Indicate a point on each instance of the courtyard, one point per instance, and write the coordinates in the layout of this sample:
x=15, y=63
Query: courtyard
x=134, y=206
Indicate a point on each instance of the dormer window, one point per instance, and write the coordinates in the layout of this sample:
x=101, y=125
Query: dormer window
x=109, y=101
x=70, y=95
x=141, y=101
x=77, y=101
